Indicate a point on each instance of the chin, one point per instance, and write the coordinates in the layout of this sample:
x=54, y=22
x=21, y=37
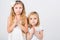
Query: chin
x=17, y=14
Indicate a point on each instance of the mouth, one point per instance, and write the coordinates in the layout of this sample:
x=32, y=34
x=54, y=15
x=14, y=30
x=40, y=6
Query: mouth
x=33, y=22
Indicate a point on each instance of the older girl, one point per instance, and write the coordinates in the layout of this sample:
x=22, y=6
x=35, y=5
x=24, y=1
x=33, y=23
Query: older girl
x=17, y=22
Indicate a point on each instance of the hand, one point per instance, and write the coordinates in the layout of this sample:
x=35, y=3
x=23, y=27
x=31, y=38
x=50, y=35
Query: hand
x=36, y=32
x=20, y=22
x=15, y=21
x=18, y=19
x=32, y=30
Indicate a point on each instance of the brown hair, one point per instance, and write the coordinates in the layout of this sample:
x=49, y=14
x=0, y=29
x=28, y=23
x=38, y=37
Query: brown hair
x=12, y=14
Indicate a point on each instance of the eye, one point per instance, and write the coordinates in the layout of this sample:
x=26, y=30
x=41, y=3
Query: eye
x=30, y=18
x=35, y=18
x=20, y=7
x=16, y=7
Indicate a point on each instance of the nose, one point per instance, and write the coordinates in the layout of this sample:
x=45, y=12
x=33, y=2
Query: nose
x=33, y=20
x=18, y=9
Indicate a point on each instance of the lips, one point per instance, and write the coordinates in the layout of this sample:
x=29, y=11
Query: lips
x=33, y=22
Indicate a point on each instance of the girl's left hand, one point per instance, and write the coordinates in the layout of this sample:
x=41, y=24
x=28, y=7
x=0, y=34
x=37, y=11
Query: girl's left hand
x=36, y=32
x=19, y=23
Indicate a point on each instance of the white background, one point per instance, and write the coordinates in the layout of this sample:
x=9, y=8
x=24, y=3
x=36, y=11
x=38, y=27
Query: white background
x=49, y=12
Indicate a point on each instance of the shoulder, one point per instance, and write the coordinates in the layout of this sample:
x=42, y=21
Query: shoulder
x=39, y=28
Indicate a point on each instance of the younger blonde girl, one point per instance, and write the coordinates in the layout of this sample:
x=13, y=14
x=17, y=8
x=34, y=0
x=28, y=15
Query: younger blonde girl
x=35, y=30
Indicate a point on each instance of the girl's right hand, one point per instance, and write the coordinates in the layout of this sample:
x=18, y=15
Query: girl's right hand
x=33, y=30
x=15, y=21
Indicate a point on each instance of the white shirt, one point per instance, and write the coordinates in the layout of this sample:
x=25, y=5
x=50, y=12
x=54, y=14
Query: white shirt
x=37, y=29
x=16, y=34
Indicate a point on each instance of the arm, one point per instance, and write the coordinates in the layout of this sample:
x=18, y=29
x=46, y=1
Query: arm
x=24, y=28
x=9, y=26
x=39, y=34
x=30, y=34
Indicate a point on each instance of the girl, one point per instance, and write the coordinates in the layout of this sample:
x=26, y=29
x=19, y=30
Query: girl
x=35, y=31
x=17, y=22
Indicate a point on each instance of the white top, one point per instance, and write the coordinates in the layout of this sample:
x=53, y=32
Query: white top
x=16, y=34
x=37, y=29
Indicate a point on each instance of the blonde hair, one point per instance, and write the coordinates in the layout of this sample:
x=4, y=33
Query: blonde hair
x=34, y=13
x=12, y=14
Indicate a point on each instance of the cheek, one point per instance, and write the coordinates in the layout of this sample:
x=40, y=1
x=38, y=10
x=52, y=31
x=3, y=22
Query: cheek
x=36, y=21
x=30, y=21
x=20, y=10
x=15, y=10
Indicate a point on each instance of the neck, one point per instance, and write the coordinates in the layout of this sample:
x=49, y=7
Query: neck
x=17, y=15
x=33, y=26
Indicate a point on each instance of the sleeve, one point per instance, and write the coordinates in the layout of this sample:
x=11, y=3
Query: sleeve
x=41, y=28
x=30, y=29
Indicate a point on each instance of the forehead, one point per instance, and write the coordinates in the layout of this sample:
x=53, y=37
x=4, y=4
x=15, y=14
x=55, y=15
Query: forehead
x=33, y=16
x=18, y=5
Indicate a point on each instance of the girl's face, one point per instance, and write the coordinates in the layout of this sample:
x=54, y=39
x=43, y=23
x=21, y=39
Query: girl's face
x=33, y=19
x=18, y=9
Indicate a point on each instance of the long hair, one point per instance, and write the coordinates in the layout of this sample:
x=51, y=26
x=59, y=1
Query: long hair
x=38, y=21
x=12, y=14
